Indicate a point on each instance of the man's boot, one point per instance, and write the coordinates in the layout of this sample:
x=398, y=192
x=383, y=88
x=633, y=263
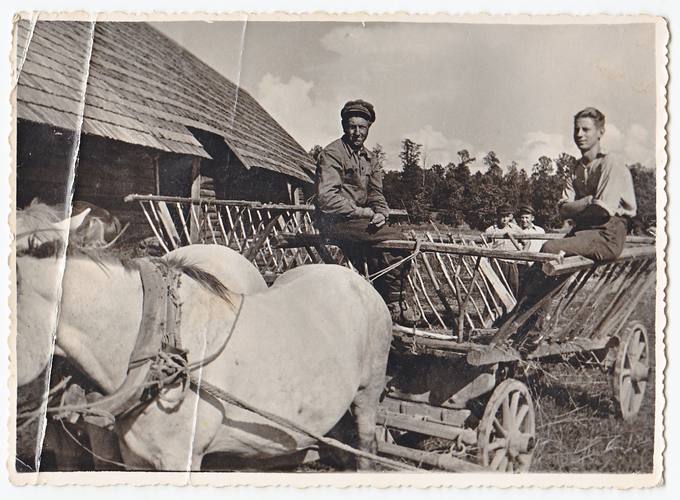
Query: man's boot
x=402, y=314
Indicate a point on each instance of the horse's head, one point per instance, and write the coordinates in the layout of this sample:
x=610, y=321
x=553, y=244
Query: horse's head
x=38, y=288
x=88, y=227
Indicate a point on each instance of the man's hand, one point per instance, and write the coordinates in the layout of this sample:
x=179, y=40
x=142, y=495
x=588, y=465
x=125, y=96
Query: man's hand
x=378, y=220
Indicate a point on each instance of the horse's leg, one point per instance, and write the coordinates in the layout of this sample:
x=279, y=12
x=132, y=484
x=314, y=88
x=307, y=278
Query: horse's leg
x=365, y=409
x=365, y=404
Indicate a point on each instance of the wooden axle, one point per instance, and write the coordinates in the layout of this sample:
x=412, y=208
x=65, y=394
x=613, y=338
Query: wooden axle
x=417, y=424
x=452, y=248
x=437, y=460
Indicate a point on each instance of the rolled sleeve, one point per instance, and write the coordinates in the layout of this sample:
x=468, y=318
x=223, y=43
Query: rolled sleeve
x=329, y=186
x=615, y=191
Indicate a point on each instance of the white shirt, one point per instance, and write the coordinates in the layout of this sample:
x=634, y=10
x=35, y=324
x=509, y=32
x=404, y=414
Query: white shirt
x=533, y=245
x=503, y=244
x=607, y=180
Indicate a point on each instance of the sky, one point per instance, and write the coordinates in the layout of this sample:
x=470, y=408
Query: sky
x=512, y=89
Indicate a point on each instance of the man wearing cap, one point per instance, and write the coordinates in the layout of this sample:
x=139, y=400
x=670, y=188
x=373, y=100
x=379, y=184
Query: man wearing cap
x=352, y=210
x=505, y=224
x=525, y=217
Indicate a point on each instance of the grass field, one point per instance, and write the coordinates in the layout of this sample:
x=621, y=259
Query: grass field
x=577, y=426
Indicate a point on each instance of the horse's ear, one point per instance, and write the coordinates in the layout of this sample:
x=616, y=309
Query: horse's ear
x=72, y=223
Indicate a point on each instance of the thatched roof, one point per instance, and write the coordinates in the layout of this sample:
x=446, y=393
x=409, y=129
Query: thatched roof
x=131, y=83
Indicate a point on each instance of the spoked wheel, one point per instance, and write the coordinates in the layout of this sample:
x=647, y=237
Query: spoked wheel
x=631, y=370
x=506, y=435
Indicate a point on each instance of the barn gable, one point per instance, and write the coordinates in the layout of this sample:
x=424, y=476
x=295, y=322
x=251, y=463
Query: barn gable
x=128, y=82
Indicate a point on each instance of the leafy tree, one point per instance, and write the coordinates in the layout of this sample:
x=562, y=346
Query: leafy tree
x=412, y=178
x=465, y=158
x=644, y=181
x=379, y=155
x=494, y=164
x=315, y=152
x=564, y=164
x=546, y=189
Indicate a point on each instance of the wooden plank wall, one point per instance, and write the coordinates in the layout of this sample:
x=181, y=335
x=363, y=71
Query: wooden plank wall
x=106, y=172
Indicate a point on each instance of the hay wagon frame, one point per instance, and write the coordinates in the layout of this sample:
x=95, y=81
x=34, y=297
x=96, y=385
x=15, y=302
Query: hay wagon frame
x=453, y=379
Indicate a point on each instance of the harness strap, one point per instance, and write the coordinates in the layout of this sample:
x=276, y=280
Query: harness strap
x=158, y=325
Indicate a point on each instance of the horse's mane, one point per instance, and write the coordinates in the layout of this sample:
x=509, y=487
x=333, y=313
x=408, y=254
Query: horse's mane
x=38, y=215
x=207, y=280
x=57, y=248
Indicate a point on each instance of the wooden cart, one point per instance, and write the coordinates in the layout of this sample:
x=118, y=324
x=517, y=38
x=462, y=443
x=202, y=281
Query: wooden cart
x=451, y=380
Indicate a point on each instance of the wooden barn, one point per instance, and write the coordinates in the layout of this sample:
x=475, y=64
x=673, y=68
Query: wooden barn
x=113, y=108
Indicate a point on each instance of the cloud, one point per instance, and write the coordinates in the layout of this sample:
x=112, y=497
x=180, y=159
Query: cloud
x=537, y=144
x=634, y=145
x=293, y=104
x=374, y=40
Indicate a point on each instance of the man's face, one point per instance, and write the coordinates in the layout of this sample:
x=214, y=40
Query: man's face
x=525, y=220
x=504, y=220
x=586, y=134
x=356, y=131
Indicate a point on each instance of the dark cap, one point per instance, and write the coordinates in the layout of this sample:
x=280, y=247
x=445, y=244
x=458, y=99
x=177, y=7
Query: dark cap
x=504, y=209
x=526, y=209
x=358, y=108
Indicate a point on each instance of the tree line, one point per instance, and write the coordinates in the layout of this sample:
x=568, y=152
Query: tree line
x=452, y=194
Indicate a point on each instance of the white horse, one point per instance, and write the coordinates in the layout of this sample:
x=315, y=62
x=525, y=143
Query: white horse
x=307, y=349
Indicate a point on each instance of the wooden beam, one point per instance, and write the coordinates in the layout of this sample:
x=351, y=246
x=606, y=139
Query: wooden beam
x=247, y=203
x=577, y=263
x=452, y=248
x=196, y=221
x=559, y=236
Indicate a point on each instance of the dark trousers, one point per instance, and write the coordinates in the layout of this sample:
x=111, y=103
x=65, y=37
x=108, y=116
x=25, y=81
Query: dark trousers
x=356, y=238
x=600, y=242
x=597, y=242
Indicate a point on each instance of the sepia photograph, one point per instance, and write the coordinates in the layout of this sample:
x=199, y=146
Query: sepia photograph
x=420, y=247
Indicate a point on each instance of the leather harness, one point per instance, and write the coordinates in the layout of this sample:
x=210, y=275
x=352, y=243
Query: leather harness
x=157, y=358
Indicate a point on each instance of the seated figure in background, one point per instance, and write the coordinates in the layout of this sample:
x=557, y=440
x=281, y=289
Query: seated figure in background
x=505, y=224
x=525, y=216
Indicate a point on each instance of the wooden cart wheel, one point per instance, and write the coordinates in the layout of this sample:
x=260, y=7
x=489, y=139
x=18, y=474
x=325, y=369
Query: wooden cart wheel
x=631, y=370
x=506, y=435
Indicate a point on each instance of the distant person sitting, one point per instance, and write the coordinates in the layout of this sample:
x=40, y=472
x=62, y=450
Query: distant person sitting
x=505, y=225
x=525, y=217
